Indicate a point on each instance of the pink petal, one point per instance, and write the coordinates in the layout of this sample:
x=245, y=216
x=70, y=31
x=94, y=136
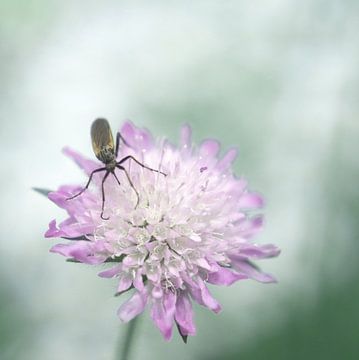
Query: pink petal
x=133, y=260
x=68, y=221
x=53, y=231
x=75, y=206
x=203, y=263
x=110, y=273
x=162, y=313
x=157, y=292
x=225, y=277
x=59, y=198
x=138, y=281
x=259, y=251
x=186, y=138
x=201, y=294
x=132, y=307
x=251, y=201
x=209, y=148
x=184, y=315
x=138, y=139
x=227, y=160
x=155, y=276
x=77, y=229
x=208, y=300
x=169, y=301
x=250, y=227
x=244, y=266
x=86, y=164
x=124, y=283
x=240, y=184
x=79, y=250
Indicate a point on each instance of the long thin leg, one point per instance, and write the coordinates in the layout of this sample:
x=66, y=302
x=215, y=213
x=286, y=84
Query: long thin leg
x=118, y=138
x=88, y=183
x=131, y=183
x=114, y=174
x=103, y=195
x=139, y=163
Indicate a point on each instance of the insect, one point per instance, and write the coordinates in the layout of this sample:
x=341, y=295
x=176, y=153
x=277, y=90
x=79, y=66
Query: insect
x=106, y=152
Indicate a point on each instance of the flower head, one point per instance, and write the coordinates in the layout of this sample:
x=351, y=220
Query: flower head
x=191, y=228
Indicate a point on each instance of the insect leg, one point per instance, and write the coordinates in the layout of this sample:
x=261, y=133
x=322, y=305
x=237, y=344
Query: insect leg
x=131, y=183
x=103, y=195
x=88, y=183
x=118, y=138
x=139, y=163
x=114, y=174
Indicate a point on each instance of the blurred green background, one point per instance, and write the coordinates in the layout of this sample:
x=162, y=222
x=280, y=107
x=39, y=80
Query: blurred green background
x=278, y=79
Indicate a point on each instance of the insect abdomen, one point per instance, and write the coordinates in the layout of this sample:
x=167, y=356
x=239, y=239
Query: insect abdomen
x=102, y=140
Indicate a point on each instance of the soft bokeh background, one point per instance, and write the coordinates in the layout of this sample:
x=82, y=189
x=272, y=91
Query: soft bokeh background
x=278, y=79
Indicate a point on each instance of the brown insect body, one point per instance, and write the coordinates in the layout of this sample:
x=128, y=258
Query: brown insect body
x=103, y=144
x=105, y=150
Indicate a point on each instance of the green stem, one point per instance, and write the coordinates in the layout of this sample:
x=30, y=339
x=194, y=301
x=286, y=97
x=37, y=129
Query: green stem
x=124, y=349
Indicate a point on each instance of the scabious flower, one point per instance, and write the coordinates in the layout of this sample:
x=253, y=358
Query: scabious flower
x=192, y=228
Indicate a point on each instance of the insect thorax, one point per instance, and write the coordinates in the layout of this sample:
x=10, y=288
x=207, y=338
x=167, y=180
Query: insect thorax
x=106, y=155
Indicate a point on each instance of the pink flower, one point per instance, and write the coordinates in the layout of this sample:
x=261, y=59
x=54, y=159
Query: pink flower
x=191, y=228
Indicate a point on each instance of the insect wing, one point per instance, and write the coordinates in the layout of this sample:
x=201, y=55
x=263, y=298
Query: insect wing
x=101, y=136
